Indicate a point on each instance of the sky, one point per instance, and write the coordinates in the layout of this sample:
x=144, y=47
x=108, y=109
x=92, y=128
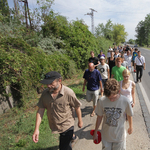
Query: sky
x=126, y=12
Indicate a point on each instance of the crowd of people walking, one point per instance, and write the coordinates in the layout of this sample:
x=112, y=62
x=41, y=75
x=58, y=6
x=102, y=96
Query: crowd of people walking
x=108, y=76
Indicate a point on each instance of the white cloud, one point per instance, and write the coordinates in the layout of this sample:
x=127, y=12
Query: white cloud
x=126, y=12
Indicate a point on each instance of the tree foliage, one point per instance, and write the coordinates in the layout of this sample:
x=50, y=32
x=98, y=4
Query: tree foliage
x=54, y=43
x=143, y=31
x=110, y=31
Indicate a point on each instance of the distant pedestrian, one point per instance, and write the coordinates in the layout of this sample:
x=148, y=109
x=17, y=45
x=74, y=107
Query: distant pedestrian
x=134, y=55
x=139, y=65
x=111, y=62
x=127, y=87
x=94, y=60
x=104, y=71
x=93, y=80
x=112, y=109
x=117, y=70
x=124, y=63
x=59, y=101
x=128, y=58
x=101, y=54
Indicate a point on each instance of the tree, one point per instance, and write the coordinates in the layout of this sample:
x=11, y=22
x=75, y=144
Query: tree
x=140, y=33
x=4, y=8
x=104, y=30
x=119, y=34
x=131, y=41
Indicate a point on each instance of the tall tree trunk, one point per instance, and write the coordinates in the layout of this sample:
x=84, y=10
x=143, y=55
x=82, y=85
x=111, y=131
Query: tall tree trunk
x=29, y=14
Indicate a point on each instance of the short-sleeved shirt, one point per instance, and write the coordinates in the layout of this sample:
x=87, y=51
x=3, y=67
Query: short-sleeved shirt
x=60, y=110
x=117, y=72
x=93, y=79
x=134, y=55
x=103, y=69
x=139, y=60
x=93, y=60
x=125, y=64
x=100, y=55
x=128, y=58
x=114, y=118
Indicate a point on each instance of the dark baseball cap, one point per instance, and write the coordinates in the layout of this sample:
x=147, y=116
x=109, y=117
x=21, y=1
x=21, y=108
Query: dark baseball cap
x=50, y=77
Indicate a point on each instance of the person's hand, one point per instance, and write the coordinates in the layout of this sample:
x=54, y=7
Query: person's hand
x=144, y=68
x=95, y=136
x=133, y=104
x=102, y=90
x=35, y=136
x=80, y=124
x=130, y=130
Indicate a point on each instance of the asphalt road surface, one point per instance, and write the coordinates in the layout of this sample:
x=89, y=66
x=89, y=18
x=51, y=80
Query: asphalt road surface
x=146, y=73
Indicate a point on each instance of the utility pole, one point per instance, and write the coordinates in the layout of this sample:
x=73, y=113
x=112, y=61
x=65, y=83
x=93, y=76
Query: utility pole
x=26, y=11
x=92, y=18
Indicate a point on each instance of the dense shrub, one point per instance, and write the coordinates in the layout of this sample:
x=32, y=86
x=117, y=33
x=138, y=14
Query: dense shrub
x=23, y=66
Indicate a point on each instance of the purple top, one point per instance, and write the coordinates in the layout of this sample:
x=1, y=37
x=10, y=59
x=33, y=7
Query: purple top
x=100, y=55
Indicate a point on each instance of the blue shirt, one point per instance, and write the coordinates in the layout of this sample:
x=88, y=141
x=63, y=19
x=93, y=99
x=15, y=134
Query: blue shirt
x=134, y=55
x=93, y=79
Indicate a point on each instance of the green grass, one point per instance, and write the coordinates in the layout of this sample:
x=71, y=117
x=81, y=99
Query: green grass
x=16, y=133
x=17, y=125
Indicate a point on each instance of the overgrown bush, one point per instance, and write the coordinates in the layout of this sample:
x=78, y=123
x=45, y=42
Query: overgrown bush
x=23, y=66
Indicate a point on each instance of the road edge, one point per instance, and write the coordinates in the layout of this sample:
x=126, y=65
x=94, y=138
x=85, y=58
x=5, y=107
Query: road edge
x=145, y=112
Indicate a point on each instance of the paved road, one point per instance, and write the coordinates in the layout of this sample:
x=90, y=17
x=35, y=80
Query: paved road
x=139, y=140
x=146, y=74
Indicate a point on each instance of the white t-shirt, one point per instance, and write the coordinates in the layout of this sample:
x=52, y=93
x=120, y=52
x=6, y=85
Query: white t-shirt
x=114, y=118
x=128, y=59
x=103, y=70
x=108, y=54
x=138, y=62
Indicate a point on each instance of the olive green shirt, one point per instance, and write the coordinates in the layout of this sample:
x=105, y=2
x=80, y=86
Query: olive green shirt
x=60, y=110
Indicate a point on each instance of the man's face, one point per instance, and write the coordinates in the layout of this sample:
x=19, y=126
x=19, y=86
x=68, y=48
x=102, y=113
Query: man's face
x=139, y=54
x=113, y=97
x=102, y=61
x=91, y=68
x=119, y=63
x=92, y=54
x=128, y=52
x=53, y=86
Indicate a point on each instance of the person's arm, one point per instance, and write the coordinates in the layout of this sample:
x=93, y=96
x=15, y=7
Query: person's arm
x=108, y=73
x=78, y=112
x=84, y=85
x=130, y=129
x=100, y=83
x=144, y=66
x=112, y=76
x=39, y=116
x=98, y=122
x=134, y=64
x=133, y=93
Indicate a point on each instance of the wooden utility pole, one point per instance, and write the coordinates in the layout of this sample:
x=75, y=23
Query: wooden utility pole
x=16, y=7
x=27, y=13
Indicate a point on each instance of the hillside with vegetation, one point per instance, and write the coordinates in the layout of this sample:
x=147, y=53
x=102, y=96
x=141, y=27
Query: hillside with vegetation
x=30, y=47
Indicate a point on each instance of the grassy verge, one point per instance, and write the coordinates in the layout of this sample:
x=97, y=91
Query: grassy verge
x=17, y=126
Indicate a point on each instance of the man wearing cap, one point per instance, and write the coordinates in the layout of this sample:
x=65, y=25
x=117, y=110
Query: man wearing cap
x=104, y=71
x=93, y=79
x=59, y=101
